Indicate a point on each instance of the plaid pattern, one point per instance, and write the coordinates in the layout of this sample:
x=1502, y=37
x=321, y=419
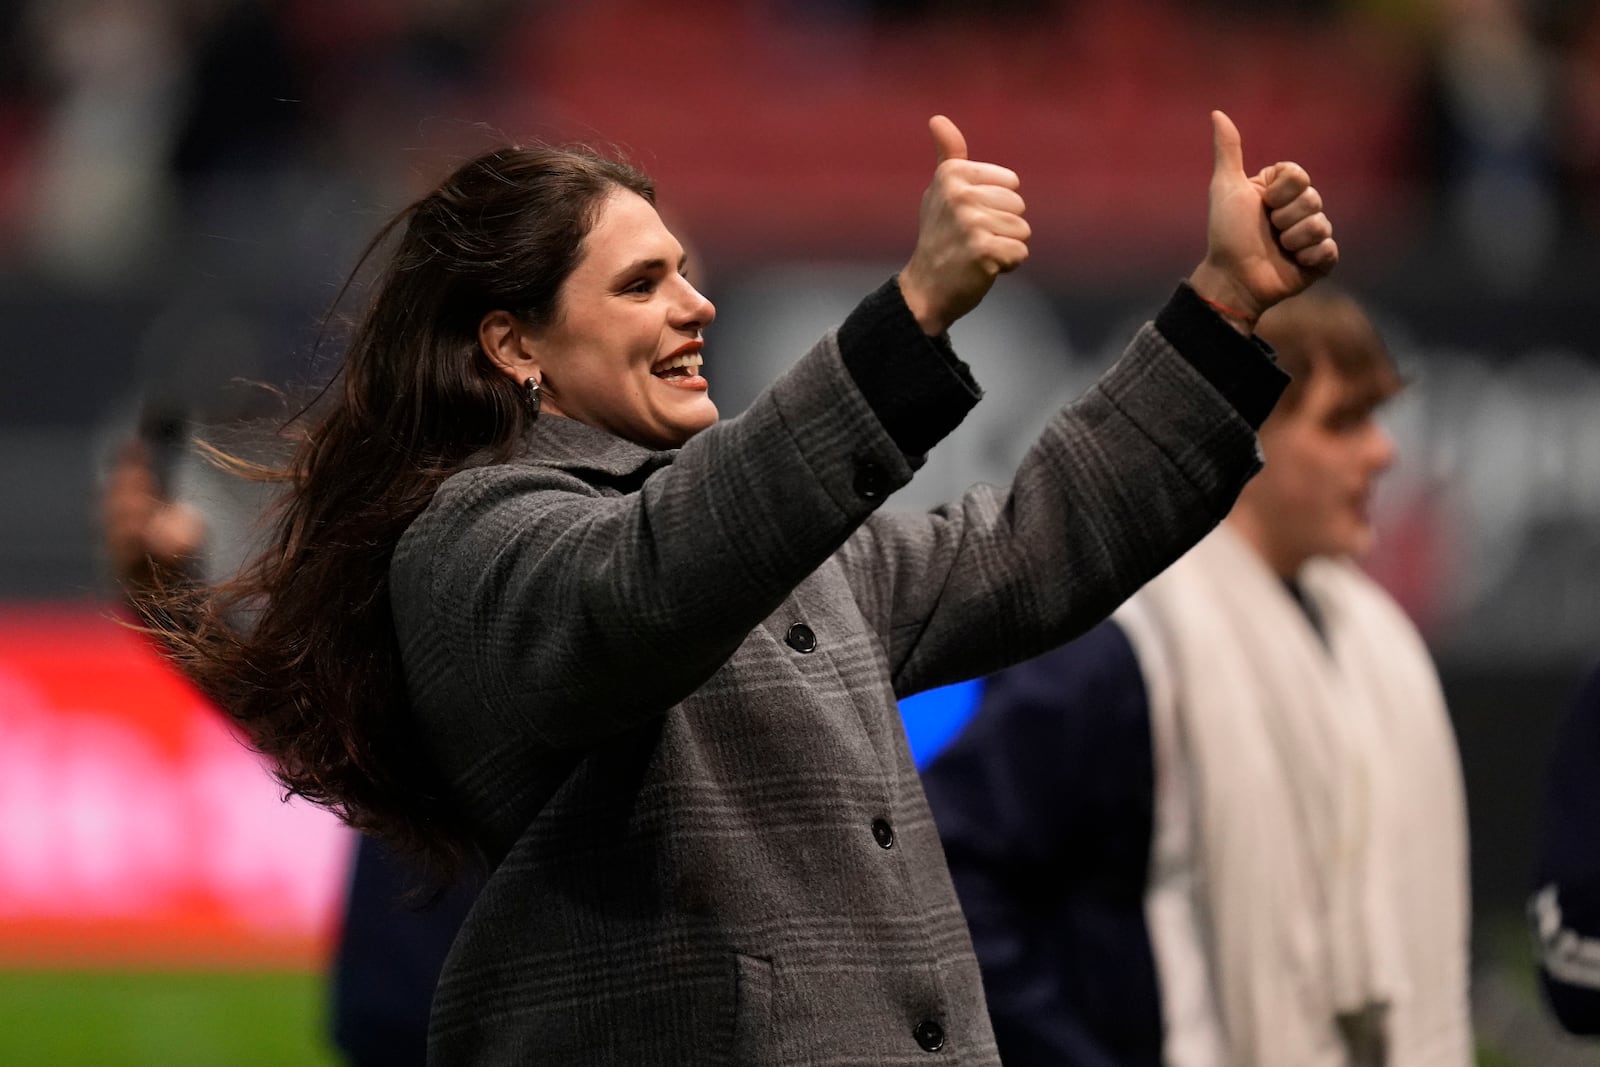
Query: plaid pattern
x=689, y=813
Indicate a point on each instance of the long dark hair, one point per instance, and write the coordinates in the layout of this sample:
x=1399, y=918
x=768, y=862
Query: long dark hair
x=314, y=679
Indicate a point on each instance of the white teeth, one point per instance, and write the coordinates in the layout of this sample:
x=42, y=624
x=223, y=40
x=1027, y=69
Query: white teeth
x=688, y=359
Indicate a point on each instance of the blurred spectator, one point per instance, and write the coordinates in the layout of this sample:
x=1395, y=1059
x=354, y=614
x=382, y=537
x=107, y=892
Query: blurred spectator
x=215, y=136
x=246, y=108
x=391, y=945
x=1579, y=106
x=102, y=193
x=1494, y=125
x=1565, y=910
x=1227, y=826
x=160, y=121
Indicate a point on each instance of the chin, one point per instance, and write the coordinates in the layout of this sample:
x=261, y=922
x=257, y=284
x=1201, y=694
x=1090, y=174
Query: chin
x=678, y=434
x=1359, y=545
x=701, y=419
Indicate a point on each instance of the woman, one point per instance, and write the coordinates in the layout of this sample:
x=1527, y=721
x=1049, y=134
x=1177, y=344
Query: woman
x=646, y=664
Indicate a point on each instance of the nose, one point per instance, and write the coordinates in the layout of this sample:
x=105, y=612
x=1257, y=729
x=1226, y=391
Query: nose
x=692, y=311
x=1381, y=448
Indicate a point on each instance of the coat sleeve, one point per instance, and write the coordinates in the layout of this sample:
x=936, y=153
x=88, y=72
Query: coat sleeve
x=576, y=609
x=1044, y=804
x=1120, y=484
x=1565, y=909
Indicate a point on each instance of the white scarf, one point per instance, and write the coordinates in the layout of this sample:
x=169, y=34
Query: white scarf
x=1309, y=859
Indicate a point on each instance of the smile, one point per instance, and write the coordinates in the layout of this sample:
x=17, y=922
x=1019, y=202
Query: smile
x=684, y=365
x=681, y=368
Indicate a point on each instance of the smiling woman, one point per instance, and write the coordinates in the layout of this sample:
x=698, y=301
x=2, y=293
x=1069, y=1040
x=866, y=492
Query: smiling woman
x=417, y=399
x=624, y=353
x=530, y=603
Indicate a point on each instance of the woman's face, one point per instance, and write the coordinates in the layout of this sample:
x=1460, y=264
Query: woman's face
x=623, y=353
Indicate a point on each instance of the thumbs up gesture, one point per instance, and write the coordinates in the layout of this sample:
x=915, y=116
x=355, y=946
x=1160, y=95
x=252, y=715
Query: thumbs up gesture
x=971, y=230
x=1267, y=237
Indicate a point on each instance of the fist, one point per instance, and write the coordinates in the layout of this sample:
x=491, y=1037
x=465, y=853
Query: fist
x=1267, y=235
x=147, y=538
x=970, y=231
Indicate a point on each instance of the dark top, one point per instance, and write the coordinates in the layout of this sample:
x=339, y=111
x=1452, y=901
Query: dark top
x=1566, y=906
x=1045, y=804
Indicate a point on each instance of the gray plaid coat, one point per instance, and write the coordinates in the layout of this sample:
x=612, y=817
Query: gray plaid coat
x=663, y=687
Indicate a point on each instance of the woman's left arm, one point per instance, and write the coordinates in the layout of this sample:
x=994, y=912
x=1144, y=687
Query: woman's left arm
x=1120, y=484
x=1123, y=481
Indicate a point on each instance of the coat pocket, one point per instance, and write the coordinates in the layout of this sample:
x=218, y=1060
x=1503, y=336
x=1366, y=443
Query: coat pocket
x=752, y=1009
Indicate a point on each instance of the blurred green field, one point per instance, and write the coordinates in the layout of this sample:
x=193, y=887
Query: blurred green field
x=165, y=1019
x=80, y=1019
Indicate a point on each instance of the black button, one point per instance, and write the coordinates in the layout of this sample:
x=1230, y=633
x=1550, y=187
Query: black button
x=883, y=833
x=800, y=638
x=930, y=1035
x=870, y=483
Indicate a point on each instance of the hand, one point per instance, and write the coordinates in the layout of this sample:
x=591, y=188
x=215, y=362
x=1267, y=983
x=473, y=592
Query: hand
x=147, y=538
x=1267, y=237
x=970, y=231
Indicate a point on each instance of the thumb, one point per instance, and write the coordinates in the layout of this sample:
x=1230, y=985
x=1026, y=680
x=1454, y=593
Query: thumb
x=1227, y=148
x=947, y=139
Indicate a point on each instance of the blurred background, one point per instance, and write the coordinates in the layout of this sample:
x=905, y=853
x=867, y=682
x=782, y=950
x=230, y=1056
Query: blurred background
x=185, y=183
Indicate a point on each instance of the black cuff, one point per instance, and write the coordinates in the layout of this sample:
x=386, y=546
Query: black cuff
x=1243, y=369
x=916, y=384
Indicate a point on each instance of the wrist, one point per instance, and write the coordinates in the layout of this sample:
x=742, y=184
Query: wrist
x=1231, y=302
x=921, y=308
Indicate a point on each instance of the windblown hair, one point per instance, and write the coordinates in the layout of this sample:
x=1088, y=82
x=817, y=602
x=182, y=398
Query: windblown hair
x=314, y=678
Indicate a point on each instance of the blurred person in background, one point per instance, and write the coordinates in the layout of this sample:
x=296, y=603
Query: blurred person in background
x=1565, y=909
x=169, y=516
x=250, y=120
x=529, y=602
x=1226, y=828
x=1494, y=107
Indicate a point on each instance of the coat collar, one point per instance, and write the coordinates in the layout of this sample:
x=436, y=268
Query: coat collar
x=569, y=445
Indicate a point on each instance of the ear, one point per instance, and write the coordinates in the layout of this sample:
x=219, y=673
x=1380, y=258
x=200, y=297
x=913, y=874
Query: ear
x=504, y=338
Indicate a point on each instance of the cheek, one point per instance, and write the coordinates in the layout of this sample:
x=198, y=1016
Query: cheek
x=1297, y=480
x=1320, y=471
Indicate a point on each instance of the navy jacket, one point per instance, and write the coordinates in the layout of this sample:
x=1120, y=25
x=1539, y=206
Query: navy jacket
x=1045, y=805
x=1566, y=906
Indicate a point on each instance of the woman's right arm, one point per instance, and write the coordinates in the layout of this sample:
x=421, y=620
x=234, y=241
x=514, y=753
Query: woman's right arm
x=578, y=612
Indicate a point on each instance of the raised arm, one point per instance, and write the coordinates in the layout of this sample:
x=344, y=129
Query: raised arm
x=1123, y=481
x=971, y=231
x=594, y=584
x=1267, y=237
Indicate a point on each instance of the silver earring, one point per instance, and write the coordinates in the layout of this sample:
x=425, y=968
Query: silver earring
x=532, y=385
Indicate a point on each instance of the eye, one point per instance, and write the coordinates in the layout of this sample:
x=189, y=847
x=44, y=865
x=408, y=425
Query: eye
x=1347, y=420
x=642, y=286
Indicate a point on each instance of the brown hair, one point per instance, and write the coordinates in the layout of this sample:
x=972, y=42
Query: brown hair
x=1324, y=329
x=315, y=680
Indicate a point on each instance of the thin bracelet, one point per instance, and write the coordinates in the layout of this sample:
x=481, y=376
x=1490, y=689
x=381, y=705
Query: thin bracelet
x=1232, y=313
